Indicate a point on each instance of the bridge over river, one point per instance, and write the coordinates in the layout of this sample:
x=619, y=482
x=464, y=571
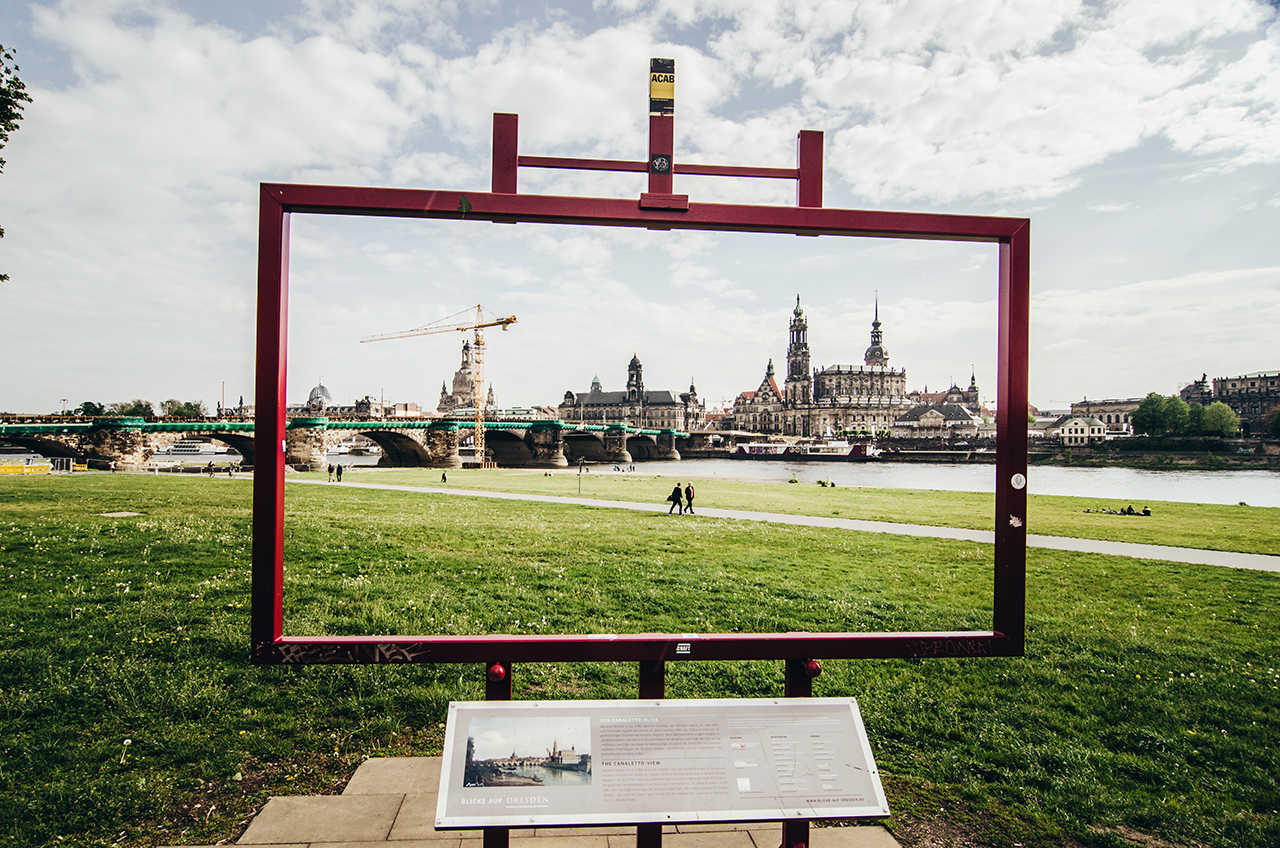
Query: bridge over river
x=531, y=443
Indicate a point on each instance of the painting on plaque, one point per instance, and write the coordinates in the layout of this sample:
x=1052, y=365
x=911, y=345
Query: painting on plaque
x=542, y=751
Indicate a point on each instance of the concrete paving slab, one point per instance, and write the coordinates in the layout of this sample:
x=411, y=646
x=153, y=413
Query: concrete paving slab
x=604, y=830
x=395, y=775
x=865, y=836
x=408, y=843
x=417, y=820
x=323, y=818
x=544, y=842
x=721, y=839
x=722, y=826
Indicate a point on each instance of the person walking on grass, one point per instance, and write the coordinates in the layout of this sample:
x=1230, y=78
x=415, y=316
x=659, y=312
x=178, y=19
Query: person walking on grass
x=444, y=476
x=338, y=471
x=688, y=497
x=677, y=500
x=331, y=472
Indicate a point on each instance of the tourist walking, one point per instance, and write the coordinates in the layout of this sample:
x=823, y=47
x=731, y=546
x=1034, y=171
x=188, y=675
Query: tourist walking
x=677, y=500
x=338, y=471
x=444, y=476
x=331, y=472
x=688, y=497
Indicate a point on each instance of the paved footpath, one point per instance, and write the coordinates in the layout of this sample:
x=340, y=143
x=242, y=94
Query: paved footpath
x=1165, y=553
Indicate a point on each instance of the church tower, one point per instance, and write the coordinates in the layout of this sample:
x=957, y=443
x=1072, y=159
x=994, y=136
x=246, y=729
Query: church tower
x=635, y=381
x=798, y=383
x=877, y=354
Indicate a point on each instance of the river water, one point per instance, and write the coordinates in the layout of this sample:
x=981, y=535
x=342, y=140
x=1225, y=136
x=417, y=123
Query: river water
x=1256, y=488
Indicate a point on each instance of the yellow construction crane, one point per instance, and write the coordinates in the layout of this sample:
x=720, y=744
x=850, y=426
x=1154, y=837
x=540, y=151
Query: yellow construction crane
x=449, y=324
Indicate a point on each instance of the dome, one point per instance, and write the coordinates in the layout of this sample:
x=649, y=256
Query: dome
x=319, y=399
x=877, y=354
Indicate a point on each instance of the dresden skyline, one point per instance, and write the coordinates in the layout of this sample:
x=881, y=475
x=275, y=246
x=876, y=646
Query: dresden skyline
x=1143, y=141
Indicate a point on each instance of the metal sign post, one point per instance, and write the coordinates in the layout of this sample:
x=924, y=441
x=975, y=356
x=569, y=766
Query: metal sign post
x=660, y=209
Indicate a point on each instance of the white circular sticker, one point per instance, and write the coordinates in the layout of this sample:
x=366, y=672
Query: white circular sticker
x=1019, y=481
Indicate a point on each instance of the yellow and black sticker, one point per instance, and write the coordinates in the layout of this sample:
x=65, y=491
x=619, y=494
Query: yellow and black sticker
x=662, y=86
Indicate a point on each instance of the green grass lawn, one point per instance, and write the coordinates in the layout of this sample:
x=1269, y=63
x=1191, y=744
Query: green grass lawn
x=1148, y=702
x=1249, y=529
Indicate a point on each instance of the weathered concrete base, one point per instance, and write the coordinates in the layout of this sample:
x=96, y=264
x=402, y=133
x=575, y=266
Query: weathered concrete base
x=391, y=801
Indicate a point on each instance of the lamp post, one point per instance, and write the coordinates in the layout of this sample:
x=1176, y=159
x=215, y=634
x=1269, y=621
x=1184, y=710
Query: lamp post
x=64, y=406
x=582, y=463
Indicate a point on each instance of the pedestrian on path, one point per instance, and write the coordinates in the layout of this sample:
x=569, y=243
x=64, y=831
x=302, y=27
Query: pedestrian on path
x=331, y=472
x=688, y=497
x=676, y=500
x=444, y=476
x=338, y=471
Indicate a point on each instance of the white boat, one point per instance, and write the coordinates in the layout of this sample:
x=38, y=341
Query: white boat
x=192, y=446
x=761, y=449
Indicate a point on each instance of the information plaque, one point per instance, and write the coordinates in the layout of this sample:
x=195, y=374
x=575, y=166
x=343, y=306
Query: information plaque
x=538, y=763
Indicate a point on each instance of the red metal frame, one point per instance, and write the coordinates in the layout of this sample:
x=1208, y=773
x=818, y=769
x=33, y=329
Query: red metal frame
x=658, y=209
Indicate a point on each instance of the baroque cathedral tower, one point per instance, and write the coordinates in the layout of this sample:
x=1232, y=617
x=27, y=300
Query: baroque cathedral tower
x=798, y=383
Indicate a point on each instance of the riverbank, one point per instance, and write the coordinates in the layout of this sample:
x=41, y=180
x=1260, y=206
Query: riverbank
x=1074, y=457
x=1148, y=702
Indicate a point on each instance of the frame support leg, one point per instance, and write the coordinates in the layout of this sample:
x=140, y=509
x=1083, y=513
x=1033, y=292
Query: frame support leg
x=653, y=684
x=497, y=687
x=799, y=684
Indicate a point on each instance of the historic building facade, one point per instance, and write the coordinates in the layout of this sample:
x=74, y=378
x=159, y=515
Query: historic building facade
x=1251, y=396
x=1116, y=414
x=636, y=405
x=464, y=385
x=817, y=401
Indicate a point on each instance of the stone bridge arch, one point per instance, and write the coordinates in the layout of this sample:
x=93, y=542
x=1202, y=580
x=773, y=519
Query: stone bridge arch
x=399, y=450
x=59, y=446
x=642, y=447
x=585, y=444
x=510, y=448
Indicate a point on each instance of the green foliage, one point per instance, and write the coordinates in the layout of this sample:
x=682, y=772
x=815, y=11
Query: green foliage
x=136, y=407
x=13, y=99
x=1149, y=418
x=1148, y=703
x=1220, y=420
x=90, y=409
x=172, y=408
x=1172, y=416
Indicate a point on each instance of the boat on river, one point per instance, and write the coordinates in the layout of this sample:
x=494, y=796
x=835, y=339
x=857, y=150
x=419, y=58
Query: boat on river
x=826, y=450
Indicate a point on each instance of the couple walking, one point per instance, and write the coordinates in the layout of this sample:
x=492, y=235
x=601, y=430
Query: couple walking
x=682, y=500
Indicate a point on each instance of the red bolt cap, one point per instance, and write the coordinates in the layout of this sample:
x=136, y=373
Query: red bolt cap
x=496, y=672
x=813, y=668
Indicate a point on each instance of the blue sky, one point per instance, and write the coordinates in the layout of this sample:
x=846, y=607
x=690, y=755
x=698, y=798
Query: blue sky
x=1141, y=138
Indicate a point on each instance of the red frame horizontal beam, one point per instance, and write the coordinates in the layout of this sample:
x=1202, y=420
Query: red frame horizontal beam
x=278, y=201
x=632, y=647
x=627, y=165
x=626, y=212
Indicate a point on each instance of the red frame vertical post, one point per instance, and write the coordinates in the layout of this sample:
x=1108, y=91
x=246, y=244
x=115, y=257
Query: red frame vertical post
x=809, y=168
x=506, y=136
x=1009, y=600
x=652, y=686
x=662, y=136
x=497, y=687
x=267, y=592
